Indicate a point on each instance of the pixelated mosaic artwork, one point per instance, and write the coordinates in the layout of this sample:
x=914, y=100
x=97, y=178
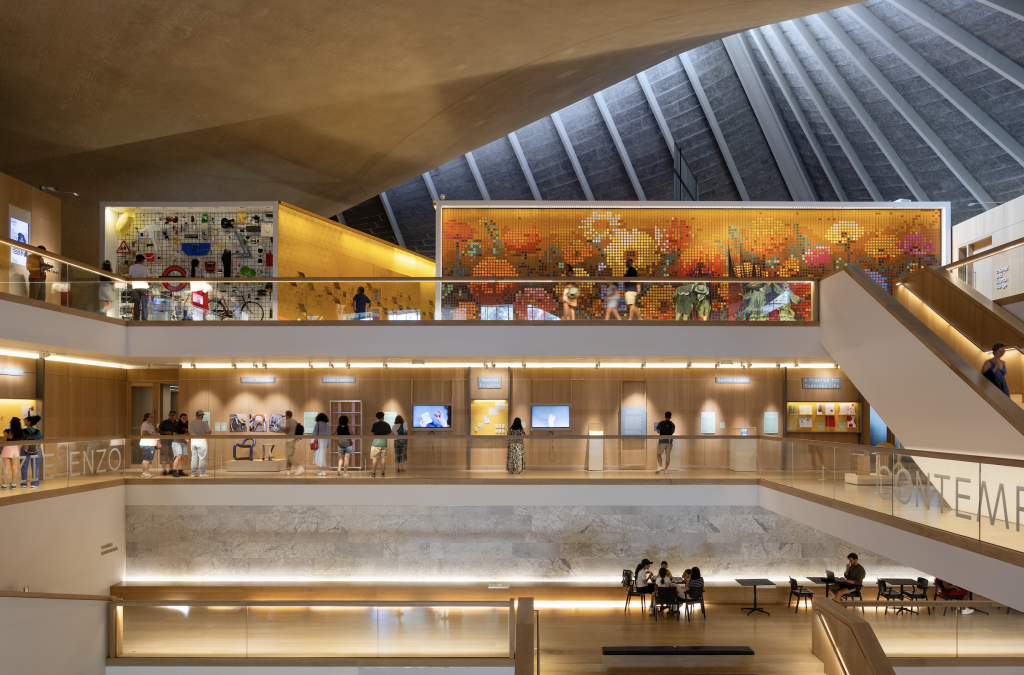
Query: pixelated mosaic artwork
x=764, y=244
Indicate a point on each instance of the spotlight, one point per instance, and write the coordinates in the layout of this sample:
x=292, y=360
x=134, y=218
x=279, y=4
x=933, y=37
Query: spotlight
x=689, y=364
x=234, y=365
x=264, y=366
x=524, y=364
x=597, y=365
x=493, y=364
x=778, y=365
x=255, y=365
x=330, y=364
x=310, y=364
x=643, y=364
x=385, y=364
x=717, y=364
x=749, y=364
x=193, y=364
x=837, y=366
x=348, y=365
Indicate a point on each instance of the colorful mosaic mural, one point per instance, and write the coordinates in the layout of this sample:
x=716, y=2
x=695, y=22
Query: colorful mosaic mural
x=689, y=242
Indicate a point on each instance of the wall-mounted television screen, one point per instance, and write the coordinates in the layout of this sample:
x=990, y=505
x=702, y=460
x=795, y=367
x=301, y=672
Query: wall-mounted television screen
x=431, y=417
x=550, y=417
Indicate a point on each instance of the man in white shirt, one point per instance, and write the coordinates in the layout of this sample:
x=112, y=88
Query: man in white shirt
x=198, y=428
x=140, y=289
x=288, y=429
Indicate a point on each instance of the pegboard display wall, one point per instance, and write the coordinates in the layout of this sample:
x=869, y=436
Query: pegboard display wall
x=228, y=240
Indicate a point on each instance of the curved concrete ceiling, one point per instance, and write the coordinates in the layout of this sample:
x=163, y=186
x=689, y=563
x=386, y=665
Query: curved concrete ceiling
x=318, y=103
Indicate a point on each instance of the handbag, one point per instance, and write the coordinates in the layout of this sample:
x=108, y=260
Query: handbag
x=314, y=445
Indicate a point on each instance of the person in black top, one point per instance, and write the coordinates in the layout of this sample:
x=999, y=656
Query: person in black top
x=167, y=428
x=632, y=293
x=379, y=446
x=665, y=428
x=360, y=302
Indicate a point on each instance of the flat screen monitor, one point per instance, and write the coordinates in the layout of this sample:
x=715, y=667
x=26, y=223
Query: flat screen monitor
x=431, y=417
x=550, y=417
x=19, y=232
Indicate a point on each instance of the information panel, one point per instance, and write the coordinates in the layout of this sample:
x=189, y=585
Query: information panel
x=823, y=383
x=634, y=420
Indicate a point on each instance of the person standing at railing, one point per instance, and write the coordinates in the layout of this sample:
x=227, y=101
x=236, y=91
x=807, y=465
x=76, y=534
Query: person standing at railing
x=30, y=453
x=289, y=429
x=108, y=294
x=199, y=429
x=631, y=293
x=994, y=369
x=320, y=445
x=611, y=303
x=166, y=428
x=401, y=446
x=666, y=427
x=345, y=448
x=37, y=268
x=140, y=289
x=11, y=453
x=359, y=303
x=379, y=446
x=180, y=446
x=149, y=447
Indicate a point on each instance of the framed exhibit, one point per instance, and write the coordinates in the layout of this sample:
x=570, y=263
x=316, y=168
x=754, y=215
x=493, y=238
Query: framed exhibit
x=823, y=417
x=488, y=418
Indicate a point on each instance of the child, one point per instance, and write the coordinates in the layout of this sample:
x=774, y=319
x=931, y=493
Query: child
x=611, y=303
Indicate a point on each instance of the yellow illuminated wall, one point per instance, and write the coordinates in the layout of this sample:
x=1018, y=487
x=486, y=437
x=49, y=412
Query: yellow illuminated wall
x=689, y=242
x=312, y=246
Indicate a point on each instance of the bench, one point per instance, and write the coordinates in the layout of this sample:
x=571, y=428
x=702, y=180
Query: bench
x=693, y=656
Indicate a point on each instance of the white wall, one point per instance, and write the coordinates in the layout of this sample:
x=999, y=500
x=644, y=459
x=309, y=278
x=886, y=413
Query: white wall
x=301, y=670
x=53, y=637
x=926, y=403
x=53, y=545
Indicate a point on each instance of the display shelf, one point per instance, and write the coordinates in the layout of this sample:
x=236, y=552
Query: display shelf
x=817, y=417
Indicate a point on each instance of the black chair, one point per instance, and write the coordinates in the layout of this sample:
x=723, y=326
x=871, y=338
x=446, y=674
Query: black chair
x=694, y=597
x=918, y=591
x=665, y=597
x=888, y=593
x=631, y=590
x=799, y=592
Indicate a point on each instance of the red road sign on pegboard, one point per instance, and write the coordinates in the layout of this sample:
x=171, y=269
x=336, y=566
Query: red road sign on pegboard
x=123, y=248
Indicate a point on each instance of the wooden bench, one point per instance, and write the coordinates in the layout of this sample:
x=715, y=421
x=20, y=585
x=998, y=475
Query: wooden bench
x=693, y=656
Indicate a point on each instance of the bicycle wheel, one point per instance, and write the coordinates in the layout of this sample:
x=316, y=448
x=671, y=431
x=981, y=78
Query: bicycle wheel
x=252, y=309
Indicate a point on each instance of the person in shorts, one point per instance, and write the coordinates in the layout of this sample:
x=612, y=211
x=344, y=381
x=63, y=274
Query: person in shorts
x=148, y=447
x=180, y=446
x=665, y=428
x=345, y=446
x=851, y=580
x=379, y=448
x=288, y=429
x=611, y=303
x=167, y=428
x=632, y=293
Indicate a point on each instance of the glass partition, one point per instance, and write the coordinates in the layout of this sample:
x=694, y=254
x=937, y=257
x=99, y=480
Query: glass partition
x=317, y=629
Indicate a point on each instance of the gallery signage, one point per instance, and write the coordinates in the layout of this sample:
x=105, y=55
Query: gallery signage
x=489, y=382
x=634, y=420
x=823, y=383
x=732, y=380
x=18, y=372
x=261, y=379
x=344, y=379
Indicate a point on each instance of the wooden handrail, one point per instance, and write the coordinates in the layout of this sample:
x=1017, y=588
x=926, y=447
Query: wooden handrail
x=853, y=638
x=57, y=596
x=985, y=254
x=496, y=604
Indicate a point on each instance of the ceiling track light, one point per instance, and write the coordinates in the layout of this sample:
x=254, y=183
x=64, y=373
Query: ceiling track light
x=385, y=364
x=778, y=365
x=330, y=364
x=193, y=364
x=643, y=364
x=837, y=366
x=689, y=364
x=597, y=365
x=234, y=365
x=717, y=365
x=524, y=364
x=348, y=365
x=310, y=364
x=264, y=366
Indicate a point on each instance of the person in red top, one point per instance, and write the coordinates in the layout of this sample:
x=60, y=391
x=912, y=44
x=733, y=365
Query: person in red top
x=951, y=592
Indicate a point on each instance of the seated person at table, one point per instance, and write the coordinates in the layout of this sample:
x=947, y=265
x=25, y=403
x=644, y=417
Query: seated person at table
x=951, y=592
x=664, y=566
x=643, y=577
x=694, y=582
x=852, y=579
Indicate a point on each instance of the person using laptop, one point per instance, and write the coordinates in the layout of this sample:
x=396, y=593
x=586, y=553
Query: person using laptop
x=852, y=579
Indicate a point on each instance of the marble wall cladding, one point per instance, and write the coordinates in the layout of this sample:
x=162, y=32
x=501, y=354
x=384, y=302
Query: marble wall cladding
x=478, y=542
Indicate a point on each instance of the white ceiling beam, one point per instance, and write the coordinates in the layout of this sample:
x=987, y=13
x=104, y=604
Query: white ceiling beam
x=837, y=131
x=609, y=123
x=798, y=112
x=709, y=114
x=901, y=104
x=560, y=128
x=787, y=157
x=477, y=177
x=860, y=111
x=686, y=176
x=518, y=149
x=391, y=217
x=430, y=186
x=1014, y=8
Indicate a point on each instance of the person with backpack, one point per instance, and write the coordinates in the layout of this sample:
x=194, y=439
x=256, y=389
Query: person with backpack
x=31, y=453
x=290, y=428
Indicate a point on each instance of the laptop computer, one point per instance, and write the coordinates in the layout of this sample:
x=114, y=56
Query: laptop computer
x=830, y=575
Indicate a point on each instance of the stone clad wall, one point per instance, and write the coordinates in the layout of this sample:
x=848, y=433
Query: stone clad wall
x=583, y=543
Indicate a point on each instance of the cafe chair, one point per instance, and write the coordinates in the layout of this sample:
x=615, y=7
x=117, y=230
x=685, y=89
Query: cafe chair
x=665, y=597
x=693, y=598
x=855, y=593
x=799, y=592
x=888, y=593
x=918, y=592
x=631, y=591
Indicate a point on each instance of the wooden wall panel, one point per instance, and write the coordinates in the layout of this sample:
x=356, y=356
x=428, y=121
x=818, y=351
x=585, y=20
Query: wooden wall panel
x=84, y=400
x=18, y=386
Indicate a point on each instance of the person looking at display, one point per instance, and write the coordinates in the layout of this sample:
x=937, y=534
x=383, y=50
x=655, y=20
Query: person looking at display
x=665, y=428
x=852, y=579
x=31, y=453
x=288, y=429
x=401, y=445
x=10, y=454
x=180, y=446
x=570, y=300
x=345, y=448
x=379, y=447
x=140, y=289
x=149, y=447
x=631, y=294
x=611, y=303
x=360, y=302
x=320, y=445
x=198, y=429
x=994, y=369
x=108, y=294
x=166, y=428
x=516, y=461
x=37, y=268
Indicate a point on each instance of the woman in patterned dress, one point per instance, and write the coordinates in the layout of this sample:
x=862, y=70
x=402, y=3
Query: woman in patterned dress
x=402, y=446
x=516, y=448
